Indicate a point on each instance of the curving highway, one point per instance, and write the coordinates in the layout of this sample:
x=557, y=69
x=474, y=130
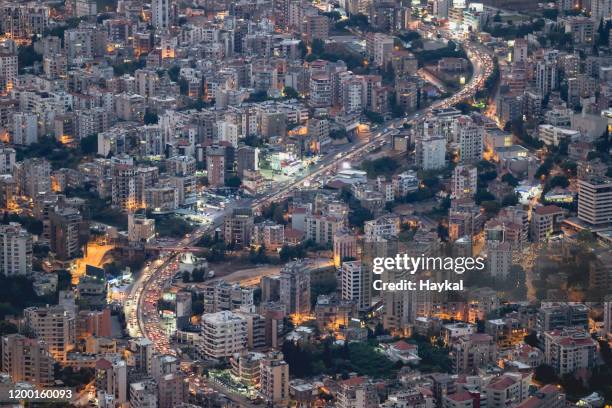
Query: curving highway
x=141, y=307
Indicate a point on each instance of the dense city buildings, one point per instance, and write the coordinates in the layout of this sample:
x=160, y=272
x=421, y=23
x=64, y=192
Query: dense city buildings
x=297, y=203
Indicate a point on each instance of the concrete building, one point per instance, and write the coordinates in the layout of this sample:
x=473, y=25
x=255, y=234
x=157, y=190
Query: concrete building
x=15, y=250
x=33, y=176
x=64, y=232
x=556, y=315
x=321, y=228
x=143, y=394
x=569, y=349
x=545, y=221
x=25, y=128
x=357, y=392
x=224, y=334
x=464, y=181
x=238, y=227
x=27, y=360
x=111, y=378
x=356, y=284
x=215, y=166
x=123, y=179
x=470, y=138
x=595, y=201
x=344, y=246
x=295, y=287
x=472, y=352
x=274, y=379
x=379, y=47
x=54, y=325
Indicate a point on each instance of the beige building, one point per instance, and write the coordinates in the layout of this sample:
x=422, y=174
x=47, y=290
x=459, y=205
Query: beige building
x=27, y=360
x=274, y=379
x=55, y=326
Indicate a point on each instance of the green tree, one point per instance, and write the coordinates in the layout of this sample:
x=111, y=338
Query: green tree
x=150, y=118
x=510, y=179
x=545, y=374
x=89, y=144
x=233, y=182
x=318, y=46
x=290, y=93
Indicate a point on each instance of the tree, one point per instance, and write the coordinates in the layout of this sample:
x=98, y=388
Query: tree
x=303, y=49
x=89, y=144
x=545, y=374
x=532, y=339
x=318, y=46
x=233, y=182
x=374, y=117
x=27, y=57
x=174, y=72
x=491, y=207
x=509, y=200
x=290, y=93
x=558, y=181
x=150, y=118
x=510, y=179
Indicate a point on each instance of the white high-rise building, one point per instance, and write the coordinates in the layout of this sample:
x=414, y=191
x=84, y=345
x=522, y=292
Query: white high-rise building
x=470, y=138
x=431, y=153
x=546, y=72
x=595, y=201
x=601, y=9
x=352, y=95
x=8, y=69
x=15, y=250
x=160, y=14
x=441, y=7
x=223, y=334
x=25, y=128
x=228, y=132
x=123, y=182
x=356, y=282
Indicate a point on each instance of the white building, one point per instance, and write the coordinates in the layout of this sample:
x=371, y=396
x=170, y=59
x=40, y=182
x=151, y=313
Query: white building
x=15, y=250
x=223, y=334
x=569, y=349
x=160, y=14
x=552, y=135
x=228, y=132
x=470, y=137
x=384, y=226
x=143, y=394
x=25, y=128
x=594, y=198
x=355, y=284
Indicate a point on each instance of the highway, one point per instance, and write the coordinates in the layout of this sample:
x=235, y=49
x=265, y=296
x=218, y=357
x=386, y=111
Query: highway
x=141, y=307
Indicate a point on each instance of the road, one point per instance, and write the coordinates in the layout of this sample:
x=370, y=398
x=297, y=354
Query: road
x=141, y=310
x=152, y=282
